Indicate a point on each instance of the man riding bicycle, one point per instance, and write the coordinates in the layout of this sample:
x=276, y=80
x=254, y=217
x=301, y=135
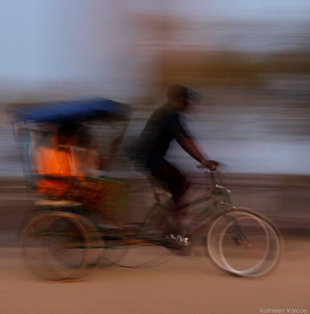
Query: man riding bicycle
x=164, y=126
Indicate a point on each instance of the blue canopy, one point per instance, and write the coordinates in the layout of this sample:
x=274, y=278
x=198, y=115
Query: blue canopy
x=72, y=110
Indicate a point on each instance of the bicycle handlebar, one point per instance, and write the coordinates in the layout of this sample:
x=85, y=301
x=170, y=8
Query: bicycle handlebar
x=210, y=174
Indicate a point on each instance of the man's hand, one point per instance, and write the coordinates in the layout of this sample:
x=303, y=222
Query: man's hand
x=210, y=164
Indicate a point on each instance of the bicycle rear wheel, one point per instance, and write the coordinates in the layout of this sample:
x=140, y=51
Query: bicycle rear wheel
x=115, y=246
x=244, y=243
x=56, y=246
x=144, y=248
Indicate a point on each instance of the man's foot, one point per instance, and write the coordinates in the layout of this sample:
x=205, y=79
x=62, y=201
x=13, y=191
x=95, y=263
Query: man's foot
x=176, y=241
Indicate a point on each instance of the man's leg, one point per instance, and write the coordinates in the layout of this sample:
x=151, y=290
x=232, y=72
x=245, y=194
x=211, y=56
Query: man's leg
x=177, y=185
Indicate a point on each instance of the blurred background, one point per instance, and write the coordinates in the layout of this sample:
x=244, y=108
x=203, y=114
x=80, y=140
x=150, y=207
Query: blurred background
x=249, y=59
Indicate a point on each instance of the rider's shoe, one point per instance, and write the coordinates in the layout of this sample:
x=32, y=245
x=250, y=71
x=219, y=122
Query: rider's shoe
x=176, y=241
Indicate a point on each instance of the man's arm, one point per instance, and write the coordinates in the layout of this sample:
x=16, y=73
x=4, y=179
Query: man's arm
x=191, y=148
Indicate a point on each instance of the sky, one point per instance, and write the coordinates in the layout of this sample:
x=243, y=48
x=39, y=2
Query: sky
x=93, y=41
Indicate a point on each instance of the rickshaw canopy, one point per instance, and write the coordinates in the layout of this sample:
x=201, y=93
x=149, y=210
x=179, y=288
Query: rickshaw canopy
x=72, y=110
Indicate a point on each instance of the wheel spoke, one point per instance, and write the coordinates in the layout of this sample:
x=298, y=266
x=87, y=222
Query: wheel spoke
x=56, y=246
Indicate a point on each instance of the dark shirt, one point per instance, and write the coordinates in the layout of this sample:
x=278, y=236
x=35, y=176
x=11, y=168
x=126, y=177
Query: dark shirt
x=163, y=126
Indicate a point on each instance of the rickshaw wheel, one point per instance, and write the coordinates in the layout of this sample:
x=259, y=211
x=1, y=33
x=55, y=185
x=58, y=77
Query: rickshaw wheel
x=56, y=246
x=114, y=243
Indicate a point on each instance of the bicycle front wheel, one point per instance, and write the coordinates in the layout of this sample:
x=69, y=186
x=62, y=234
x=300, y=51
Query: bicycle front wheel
x=244, y=243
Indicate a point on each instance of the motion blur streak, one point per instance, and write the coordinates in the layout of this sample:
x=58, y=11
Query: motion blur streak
x=249, y=59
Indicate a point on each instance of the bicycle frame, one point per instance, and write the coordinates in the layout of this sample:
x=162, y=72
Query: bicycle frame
x=216, y=201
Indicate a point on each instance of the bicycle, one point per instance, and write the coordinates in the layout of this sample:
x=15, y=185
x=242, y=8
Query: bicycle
x=238, y=240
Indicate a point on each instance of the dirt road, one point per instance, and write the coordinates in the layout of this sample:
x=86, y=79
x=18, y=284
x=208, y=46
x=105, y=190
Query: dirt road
x=181, y=285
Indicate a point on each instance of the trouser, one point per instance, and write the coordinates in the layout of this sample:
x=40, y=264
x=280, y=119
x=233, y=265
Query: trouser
x=177, y=185
x=173, y=178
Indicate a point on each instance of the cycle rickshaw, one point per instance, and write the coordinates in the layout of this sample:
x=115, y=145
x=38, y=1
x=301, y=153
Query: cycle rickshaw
x=64, y=238
x=60, y=240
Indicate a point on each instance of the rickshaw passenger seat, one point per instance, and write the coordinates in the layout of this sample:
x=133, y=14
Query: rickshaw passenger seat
x=56, y=203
